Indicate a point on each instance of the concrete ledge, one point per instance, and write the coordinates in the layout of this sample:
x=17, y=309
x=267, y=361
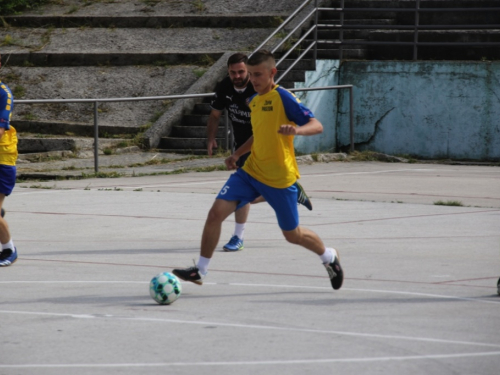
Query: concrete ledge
x=53, y=59
x=173, y=116
x=179, y=21
x=61, y=128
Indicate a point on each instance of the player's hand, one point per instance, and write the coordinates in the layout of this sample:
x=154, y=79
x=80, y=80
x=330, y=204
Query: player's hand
x=211, y=144
x=231, y=162
x=287, y=129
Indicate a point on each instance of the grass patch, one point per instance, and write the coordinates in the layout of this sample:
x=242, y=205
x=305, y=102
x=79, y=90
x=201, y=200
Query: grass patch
x=363, y=156
x=18, y=91
x=198, y=5
x=38, y=186
x=101, y=175
x=199, y=72
x=448, y=203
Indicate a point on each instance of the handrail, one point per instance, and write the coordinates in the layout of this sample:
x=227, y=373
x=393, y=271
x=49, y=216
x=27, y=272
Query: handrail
x=282, y=26
x=415, y=27
x=186, y=96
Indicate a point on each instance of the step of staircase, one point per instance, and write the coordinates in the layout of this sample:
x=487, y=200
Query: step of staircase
x=193, y=131
x=172, y=143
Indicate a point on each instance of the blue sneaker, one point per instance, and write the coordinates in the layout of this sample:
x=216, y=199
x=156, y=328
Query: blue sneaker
x=7, y=257
x=234, y=244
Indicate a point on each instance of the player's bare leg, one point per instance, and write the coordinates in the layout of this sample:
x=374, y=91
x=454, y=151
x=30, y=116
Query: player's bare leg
x=240, y=218
x=329, y=256
x=8, y=253
x=220, y=210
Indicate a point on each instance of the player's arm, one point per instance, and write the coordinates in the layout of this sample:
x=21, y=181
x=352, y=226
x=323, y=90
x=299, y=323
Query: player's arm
x=312, y=127
x=212, y=126
x=242, y=150
x=5, y=112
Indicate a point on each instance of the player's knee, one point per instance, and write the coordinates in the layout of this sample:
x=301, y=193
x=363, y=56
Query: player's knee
x=292, y=236
x=215, y=215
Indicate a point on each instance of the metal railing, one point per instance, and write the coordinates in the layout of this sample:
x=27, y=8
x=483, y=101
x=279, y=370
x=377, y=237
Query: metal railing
x=416, y=27
x=96, y=102
x=279, y=29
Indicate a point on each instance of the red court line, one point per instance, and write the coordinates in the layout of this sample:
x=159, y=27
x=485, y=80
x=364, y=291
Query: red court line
x=406, y=217
x=398, y=193
x=257, y=222
x=261, y=273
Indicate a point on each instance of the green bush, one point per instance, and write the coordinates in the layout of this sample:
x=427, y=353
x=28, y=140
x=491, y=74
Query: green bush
x=12, y=6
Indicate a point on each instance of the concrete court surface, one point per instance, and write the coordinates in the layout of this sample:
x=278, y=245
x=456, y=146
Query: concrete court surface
x=419, y=295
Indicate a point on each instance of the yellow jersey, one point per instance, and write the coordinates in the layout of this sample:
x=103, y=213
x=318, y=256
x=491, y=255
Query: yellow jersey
x=272, y=158
x=8, y=142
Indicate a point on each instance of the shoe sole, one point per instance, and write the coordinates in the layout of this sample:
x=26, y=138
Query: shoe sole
x=231, y=250
x=197, y=282
x=10, y=264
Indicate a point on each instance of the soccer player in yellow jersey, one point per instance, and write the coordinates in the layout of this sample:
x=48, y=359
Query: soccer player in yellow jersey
x=8, y=157
x=270, y=170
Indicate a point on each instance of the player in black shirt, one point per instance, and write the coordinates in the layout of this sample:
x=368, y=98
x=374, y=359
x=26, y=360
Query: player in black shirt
x=232, y=94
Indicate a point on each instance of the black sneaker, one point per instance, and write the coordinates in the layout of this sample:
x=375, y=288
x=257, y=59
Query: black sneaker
x=302, y=197
x=335, y=272
x=189, y=274
x=7, y=257
x=498, y=287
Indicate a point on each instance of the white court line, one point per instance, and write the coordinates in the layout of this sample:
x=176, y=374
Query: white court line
x=260, y=285
x=252, y=327
x=222, y=180
x=258, y=363
x=377, y=172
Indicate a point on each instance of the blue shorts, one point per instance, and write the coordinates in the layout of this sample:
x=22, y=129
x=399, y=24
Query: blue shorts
x=243, y=188
x=7, y=179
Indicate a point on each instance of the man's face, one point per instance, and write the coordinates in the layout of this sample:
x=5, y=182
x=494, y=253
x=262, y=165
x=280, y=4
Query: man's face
x=238, y=74
x=261, y=77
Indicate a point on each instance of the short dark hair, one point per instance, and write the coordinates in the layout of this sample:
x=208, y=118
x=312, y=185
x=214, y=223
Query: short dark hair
x=262, y=55
x=237, y=58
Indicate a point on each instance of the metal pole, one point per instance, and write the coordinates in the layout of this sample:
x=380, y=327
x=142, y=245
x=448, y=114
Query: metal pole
x=316, y=16
x=415, y=32
x=351, y=118
x=341, y=31
x=96, y=139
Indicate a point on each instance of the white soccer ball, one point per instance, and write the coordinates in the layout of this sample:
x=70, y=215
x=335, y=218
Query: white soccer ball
x=165, y=288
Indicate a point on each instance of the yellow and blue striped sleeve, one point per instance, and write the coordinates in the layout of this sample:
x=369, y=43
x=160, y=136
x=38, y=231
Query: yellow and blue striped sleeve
x=6, y=106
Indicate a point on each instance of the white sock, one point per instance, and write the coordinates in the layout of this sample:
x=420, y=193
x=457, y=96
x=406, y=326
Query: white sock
x=8, y=245
x=203, y=265
x=239, y=229
x=328, y=255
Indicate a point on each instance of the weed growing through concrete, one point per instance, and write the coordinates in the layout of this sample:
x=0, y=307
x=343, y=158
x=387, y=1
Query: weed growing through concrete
x=198, y=5
x=448, y=203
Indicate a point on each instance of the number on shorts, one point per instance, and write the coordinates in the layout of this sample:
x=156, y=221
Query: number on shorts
x=224, y=190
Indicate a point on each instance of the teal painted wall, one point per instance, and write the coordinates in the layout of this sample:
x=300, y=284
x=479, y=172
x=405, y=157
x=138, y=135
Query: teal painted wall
x=424, y=109
x=324, y=106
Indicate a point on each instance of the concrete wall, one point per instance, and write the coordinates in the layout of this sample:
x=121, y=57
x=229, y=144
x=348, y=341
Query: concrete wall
x=423, y=109
x=323, y=104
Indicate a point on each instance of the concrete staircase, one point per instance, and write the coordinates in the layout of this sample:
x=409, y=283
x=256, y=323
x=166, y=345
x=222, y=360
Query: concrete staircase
x=190, y=136
x=77, y=49
x=80, y=49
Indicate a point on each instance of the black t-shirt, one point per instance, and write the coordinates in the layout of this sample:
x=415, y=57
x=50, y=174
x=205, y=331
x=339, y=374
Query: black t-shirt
x=235, y=103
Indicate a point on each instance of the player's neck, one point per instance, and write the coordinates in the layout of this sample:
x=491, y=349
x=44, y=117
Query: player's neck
x=267, y=89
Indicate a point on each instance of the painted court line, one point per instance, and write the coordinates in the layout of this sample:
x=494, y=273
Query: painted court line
x=252, y=327
x=257, y=363
x=380, y=291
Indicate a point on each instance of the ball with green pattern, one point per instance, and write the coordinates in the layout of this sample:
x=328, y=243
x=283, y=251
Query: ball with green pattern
x=165, y=288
